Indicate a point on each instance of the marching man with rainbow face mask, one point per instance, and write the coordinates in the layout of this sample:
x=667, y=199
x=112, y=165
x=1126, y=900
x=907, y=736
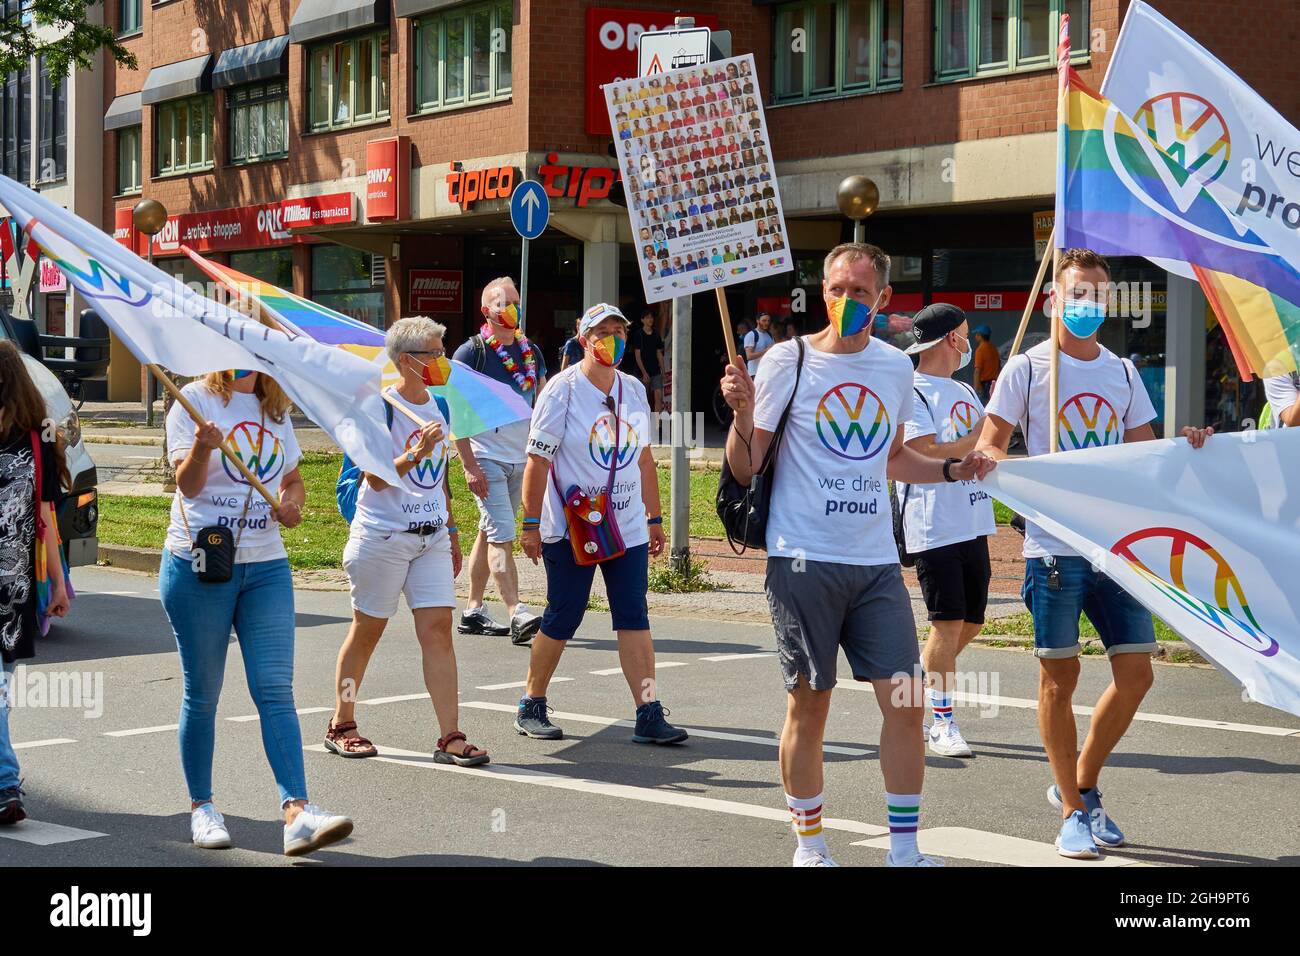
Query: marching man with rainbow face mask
x=833, y=577
x=1102, y=402
x=591, y=497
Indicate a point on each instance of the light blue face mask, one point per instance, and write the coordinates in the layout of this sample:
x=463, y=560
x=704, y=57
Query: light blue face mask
x=1082, y=317
x=965, y=356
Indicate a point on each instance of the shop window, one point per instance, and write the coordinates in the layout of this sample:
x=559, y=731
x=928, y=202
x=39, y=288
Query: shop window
x=52, y=128
x=833, y=47
x=348, y=82
x=342, y=279
x=15, y=124
x=463, y=57
x=985, y=37
x=259, y=121
x=128, y=160
x=269, y=265
x=183, y=135
x=128, y=17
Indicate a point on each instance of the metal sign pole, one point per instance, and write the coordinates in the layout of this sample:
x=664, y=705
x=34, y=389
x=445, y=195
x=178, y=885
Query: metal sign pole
x=523, y=285
x=679, y=502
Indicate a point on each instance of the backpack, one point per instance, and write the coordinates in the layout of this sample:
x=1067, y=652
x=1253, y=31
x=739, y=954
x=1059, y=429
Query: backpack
x=347, y=489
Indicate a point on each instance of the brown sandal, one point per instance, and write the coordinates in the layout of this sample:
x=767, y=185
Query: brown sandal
x=470, y=756
x=357, y=746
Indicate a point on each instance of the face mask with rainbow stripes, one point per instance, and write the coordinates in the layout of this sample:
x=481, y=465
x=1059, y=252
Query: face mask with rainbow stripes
x=238, y=373
x=849, y=316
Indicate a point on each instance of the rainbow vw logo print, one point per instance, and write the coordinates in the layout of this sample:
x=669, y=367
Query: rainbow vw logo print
x=852, y=422
x=246, y=438
x=1088, y=421
x=961, y=419
x=601, y=442
x=1197, y=580
x=427, y=472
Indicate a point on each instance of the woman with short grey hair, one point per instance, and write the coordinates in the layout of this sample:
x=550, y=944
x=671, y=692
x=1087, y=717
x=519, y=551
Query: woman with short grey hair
x=404, y=541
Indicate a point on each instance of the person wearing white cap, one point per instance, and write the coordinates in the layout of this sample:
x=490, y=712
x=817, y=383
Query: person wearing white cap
x=591, y=497
x=945, y=527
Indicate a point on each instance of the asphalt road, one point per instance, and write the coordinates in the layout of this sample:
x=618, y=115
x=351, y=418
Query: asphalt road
x=1202, y=777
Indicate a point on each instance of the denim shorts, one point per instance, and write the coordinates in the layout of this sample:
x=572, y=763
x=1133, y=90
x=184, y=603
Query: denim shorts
x=1125, y=625
x=568, y=588
x=496, y=512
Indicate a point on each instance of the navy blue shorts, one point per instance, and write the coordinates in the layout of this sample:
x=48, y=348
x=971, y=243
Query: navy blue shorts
x=568, y=588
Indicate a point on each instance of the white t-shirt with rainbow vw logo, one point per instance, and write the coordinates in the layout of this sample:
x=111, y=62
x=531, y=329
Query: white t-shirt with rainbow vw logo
x=221, y=502
x=829, y=497
x=1099, y=401
x=420, y=499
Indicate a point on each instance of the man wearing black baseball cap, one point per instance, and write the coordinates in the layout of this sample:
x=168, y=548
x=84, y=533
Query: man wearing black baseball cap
x=945, y=527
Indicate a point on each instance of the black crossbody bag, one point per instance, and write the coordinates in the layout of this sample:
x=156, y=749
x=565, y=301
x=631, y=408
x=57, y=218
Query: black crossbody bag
x=743, y=510
x=214, y=546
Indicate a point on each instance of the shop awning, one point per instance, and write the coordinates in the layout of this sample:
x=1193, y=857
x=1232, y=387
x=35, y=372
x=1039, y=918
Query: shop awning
x=263, y=60
x=175, y=80
x=125, y=110
x=317, y=19
x=415, y=8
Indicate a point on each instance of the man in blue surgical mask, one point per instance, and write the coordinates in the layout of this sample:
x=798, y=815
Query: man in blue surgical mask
x=1101, y=401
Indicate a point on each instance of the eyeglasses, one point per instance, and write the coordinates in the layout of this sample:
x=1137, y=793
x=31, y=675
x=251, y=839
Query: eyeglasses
x=436, y=353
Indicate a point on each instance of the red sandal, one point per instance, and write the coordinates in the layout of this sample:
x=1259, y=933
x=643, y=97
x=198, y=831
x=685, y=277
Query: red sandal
x=357, y=746
x=470, y=756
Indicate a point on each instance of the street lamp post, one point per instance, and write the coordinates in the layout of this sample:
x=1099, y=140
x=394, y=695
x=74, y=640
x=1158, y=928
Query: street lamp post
x=149, y=216
x=857, y=197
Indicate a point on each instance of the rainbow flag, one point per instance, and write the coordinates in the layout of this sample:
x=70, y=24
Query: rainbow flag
x=477, y=403
x=1120, y=194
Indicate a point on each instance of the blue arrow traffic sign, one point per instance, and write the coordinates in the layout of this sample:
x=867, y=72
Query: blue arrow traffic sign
x=530, y=210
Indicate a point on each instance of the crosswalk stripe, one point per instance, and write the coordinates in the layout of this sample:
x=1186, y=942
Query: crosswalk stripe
x=738, y=657
x=517, y=683
x=142, y=730
x=659, y=665
x=985, y=847
x=46, y=834
x=44, y=743
x=395, y=699
x=248, y=718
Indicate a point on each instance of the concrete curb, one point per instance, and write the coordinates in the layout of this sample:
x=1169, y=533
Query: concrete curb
x=101, y=439
x=126, y=558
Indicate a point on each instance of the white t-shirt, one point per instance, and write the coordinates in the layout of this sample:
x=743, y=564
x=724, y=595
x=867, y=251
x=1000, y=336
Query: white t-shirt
x=1100, y=400
x=830, y=501
x=936, y=515
x=1281, y=394
x=574, y=428
x=420, y=498
x=756, y=339
x=221, y=502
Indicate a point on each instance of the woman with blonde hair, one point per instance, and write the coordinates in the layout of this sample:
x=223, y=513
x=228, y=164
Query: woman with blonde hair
x=224, y=567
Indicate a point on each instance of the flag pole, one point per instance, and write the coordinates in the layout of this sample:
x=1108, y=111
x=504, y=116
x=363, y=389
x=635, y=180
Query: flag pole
x=727, y=334
x=1033, y=294
x=1062, y=131
x=228, y=452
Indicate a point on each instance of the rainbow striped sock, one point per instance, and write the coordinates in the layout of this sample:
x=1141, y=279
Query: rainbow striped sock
x=941, y=704
x=904, y=814
x=807, y=821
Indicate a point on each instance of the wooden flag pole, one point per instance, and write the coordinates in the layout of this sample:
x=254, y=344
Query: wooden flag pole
x=1054, y=381
x=727, y=334
x=176, y=393
x=1033, y=294
x=1062, y=127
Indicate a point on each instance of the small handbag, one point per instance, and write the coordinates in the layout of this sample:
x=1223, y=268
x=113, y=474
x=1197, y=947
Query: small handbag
x=743, y=509
x=593, y=529
x=215, y=547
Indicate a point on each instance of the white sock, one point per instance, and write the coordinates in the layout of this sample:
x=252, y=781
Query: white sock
x=904, y=816
x=807, y=815
x=940, y=704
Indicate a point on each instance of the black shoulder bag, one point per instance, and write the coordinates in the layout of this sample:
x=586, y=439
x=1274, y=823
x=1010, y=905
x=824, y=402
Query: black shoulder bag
x=743, y=510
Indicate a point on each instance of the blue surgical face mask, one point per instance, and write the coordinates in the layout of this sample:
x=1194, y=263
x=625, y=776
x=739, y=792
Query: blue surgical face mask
x=1082, y=317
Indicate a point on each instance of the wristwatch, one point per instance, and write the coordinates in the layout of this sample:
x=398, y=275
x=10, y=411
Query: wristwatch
x=948, y=463
x=410, y=456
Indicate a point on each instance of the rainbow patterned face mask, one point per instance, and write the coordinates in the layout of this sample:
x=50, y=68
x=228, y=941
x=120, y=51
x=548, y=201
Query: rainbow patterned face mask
x=238, y=373
x=509, y=316
x=609, y=350
x=849, y=316
x=436, y=372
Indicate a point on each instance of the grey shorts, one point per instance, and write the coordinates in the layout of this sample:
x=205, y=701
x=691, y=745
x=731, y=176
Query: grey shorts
x=496, y=512
x=826, y=606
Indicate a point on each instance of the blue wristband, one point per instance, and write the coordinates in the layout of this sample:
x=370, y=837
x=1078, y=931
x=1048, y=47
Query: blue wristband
x=657, y=519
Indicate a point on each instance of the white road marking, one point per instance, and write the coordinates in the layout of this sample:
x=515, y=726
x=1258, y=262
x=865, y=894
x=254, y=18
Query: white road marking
x=44, y=743
x=142, y=730
x=710, y=734
x=111, y=593
x=985, y=847
x=395, y=699
x=541, y=778
x=1025, y=703
x=659, y=665
x=46, y=834
x=518, y=683
x=300, y=711
x=739, y=657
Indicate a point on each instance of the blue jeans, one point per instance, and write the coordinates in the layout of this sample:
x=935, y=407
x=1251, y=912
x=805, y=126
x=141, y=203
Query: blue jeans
x=1125, y=625
x=8, y=759
x=258, y=603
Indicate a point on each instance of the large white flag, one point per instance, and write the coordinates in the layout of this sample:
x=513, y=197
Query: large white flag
x=1213, y=124
x=163, y=321
x=1207, y=539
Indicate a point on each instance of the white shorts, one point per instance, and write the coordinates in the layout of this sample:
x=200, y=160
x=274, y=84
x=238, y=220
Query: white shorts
x=381, y=566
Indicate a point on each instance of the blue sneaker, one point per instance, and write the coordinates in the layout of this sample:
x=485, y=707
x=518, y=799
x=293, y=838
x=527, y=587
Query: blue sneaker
x=531, y=721
x=1104, y=830
x=1075, y=839
x=651, y=728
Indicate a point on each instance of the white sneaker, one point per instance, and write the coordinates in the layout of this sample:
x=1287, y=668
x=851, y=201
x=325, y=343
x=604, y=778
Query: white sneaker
x=920, y=859
x=208, y=828
x=946, y=740
x=803, y=857
x=314, y=828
